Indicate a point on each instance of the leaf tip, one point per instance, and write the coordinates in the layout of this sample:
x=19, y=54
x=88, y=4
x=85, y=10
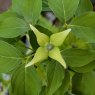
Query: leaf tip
x=32, y=27
x=69, y=30
x=65, y=66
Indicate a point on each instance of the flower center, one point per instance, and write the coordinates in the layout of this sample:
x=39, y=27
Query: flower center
x=49, y=47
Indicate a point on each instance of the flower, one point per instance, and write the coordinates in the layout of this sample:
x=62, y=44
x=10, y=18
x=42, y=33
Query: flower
x=49, y=47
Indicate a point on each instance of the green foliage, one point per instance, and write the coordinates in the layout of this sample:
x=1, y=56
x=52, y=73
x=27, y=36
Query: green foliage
x=63, y=9
x=84, y=27
x=78, y=57
x=10, y=57
x=55, y=75
x=84, y=6
x=45, y=76
x=16, y=28
x=26, y=81
x=83, y=84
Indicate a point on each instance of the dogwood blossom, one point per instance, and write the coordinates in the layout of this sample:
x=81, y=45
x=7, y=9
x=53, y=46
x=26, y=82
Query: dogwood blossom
x=49, y=46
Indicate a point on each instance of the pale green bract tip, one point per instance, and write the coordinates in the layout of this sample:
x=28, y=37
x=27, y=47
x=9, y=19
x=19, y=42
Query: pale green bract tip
x=29, y=64
x=42, y=38
x=56, y=55
x=40, y=55
x=57, y=39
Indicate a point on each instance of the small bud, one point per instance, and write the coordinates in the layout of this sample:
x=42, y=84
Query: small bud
x=49, y=47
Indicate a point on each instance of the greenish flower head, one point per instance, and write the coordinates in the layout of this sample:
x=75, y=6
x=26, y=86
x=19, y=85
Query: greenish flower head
x=49, y=46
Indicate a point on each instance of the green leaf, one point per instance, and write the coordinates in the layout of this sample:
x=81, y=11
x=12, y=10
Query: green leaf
x=12, y=27
x=29, y=9
x=73, y=42
x=47, y=25
x=18, y=81
x=84, y=6
x=44, y=30
x=92, y=46
x=42, y=71
x=78, y=57
x=55, y=75
x=21, y=47
x=7, y=14
x=33, y=41
x=83, y=84
x=84, y=27
x=45, y=6
x=26, y=82
x=17, y=6
x=65, y=85
x=10, y=57
x=63, y=9
x=10, y=40
x=86, y=68
x=32, y=10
